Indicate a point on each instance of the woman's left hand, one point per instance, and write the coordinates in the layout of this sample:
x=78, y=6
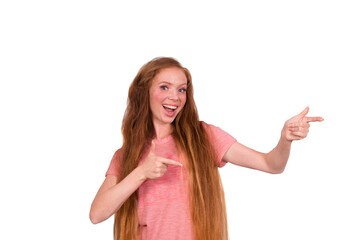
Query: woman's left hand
x=297, y=127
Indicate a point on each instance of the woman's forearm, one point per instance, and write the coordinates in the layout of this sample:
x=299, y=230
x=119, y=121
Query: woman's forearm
x=278, y=157
x=108, y=202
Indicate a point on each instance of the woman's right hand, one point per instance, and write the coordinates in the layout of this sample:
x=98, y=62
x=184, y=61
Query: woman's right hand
x=154, y=166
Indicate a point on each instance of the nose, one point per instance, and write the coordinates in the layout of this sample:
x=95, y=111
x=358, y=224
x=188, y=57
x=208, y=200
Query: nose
x=173, y=95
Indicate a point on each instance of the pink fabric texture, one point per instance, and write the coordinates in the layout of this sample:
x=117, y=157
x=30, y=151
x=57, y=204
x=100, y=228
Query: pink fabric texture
x=163, y=204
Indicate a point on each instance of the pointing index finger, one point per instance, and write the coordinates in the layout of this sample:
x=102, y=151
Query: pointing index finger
x=169, y=161
x=313, y=119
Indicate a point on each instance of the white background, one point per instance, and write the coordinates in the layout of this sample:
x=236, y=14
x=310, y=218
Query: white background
x=65, y=69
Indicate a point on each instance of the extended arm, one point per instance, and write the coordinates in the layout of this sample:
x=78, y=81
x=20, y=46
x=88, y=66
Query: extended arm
x=272, y=162
x=295, y=128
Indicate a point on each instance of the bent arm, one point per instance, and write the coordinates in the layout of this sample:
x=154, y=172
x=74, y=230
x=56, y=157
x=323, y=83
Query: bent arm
x=296, y=128
x=112, y=195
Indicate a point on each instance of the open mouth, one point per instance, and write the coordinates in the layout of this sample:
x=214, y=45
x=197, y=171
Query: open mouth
x=169, y=108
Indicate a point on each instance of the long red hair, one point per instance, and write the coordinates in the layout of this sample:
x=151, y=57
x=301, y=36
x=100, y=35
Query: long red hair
x=207, y=203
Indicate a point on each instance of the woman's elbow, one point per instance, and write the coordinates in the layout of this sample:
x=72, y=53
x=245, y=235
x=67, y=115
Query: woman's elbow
x=276, y=170
x=94, y=216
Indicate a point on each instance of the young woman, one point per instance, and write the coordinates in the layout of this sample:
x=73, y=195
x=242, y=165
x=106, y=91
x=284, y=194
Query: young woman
x=163, y=183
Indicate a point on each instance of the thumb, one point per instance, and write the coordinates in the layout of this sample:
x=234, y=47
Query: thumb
x=153, y=147
x=304, y=112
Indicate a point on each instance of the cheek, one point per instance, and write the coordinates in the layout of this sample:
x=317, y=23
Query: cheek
x=156, y=98
x=159, y=97
x=183, y=99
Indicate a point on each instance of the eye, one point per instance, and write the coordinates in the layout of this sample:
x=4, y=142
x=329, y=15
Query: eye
x=163, y=87
x=182, y=90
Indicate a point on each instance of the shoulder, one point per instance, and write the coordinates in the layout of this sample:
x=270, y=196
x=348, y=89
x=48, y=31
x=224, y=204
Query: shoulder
x=207, y=126
x=213, y=131
x=218, y=137
x=118, y=153
x=220, y=141
x=115, y=163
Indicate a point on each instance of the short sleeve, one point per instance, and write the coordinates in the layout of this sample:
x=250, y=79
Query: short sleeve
x=220, y=140
x=114, y=167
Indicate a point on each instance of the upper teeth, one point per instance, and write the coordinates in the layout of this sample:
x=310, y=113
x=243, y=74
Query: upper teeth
x=171, y=107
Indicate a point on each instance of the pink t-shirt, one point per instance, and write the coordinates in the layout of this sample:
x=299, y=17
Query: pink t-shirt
x=163, y=203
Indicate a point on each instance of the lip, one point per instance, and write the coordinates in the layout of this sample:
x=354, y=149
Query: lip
x=170, y=114
x=172, y=105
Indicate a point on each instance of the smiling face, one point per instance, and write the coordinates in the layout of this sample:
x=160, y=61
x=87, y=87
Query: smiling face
x=167, y=95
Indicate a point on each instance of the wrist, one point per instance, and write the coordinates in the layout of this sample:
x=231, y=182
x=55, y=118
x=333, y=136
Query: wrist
x=140, y=173
x=283, y=138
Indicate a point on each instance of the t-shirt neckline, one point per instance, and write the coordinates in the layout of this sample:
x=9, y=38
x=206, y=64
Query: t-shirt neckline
x=164, y=140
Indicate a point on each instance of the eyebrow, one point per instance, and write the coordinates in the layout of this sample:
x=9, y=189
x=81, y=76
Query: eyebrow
x=169, y=83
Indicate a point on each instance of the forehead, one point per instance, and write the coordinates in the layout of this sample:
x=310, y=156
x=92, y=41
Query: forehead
x=172, y=75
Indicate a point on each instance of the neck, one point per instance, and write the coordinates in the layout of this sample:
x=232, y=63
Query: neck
x=162, y=130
